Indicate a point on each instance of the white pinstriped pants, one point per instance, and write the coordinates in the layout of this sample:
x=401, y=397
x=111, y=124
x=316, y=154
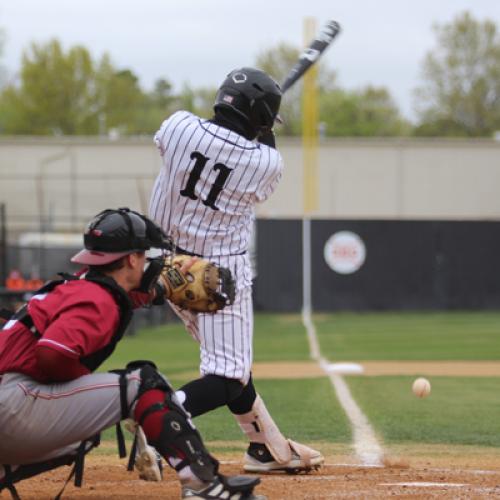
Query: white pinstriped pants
x=226, y=337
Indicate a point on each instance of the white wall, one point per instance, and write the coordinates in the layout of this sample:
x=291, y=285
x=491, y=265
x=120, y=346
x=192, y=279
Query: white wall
x=69, y=180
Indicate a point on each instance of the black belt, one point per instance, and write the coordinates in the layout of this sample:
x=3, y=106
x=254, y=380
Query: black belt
x=186, y=252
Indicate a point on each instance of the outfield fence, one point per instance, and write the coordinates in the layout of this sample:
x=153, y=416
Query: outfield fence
x=406, y=265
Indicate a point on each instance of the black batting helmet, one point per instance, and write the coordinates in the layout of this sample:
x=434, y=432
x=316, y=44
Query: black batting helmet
x=112, y=234
x=252, y=95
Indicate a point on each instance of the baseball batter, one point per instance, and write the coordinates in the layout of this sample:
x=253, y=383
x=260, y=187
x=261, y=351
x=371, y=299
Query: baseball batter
x=214, y=173
x=52, y=404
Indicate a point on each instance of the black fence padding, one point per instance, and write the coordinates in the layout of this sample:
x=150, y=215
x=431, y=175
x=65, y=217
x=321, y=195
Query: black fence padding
x=410, y=265
x=397, y=273
x=278, y=285
x=469, y=255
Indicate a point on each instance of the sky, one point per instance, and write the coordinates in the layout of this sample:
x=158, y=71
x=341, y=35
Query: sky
x=198, y=42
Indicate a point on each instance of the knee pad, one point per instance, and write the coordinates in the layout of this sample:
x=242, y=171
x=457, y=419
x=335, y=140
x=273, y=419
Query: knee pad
x=209, y=392
x=151, y=378
x=233, y=388
x=245, y=401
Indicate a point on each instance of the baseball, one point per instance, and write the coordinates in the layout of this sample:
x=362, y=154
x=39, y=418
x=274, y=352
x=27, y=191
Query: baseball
x=421, y=387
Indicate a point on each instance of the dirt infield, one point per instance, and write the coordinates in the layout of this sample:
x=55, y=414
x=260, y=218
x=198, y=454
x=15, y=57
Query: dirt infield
x=310, y=369
x=106, y=478
x=433, y=368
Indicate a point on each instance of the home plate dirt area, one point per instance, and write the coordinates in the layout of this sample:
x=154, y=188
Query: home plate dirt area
x=106, y=477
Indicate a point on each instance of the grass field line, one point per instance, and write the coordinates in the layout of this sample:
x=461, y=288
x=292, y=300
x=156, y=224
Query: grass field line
x=312, y=337
x=366, y=445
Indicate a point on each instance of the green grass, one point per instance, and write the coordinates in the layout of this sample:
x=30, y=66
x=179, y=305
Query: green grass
x=410, y=336
x=277, y=337
x=459, y=410
x=169, y=346
x=343, y=336
x=305, y=410
x=280, y=337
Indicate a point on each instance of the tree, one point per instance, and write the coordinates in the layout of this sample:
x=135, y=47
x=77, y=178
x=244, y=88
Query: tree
x=54, y=96
x=186, y=98
x=120, y=98
x=461, y=90
x=67, y=93
x=368, y=112
x=277, y=62
x=156, y=106
x=204, y=98
x=162, y=94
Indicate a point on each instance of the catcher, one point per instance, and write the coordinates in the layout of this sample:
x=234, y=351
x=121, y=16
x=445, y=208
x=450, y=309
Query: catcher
x=52, y=404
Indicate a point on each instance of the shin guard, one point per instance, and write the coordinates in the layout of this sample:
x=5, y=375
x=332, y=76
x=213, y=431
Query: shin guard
x=179, y=438
x=260, y=427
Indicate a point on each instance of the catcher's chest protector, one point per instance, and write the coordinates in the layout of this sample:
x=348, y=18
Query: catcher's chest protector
x=94, y=360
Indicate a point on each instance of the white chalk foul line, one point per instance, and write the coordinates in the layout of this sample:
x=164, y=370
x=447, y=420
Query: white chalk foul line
x=426, y=484
x=366, y=445
x=314, y=350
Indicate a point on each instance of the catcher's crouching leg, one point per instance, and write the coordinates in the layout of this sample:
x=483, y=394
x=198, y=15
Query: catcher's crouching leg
x=169, y=429
x=269, y=450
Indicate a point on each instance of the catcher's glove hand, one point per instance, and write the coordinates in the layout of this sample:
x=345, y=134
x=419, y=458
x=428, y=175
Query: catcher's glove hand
x=197, y=284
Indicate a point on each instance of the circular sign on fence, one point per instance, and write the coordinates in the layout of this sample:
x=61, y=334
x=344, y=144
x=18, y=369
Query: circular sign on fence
x=345, y=252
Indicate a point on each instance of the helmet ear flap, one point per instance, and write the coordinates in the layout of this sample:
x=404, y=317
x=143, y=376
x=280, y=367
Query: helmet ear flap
x=264, y=115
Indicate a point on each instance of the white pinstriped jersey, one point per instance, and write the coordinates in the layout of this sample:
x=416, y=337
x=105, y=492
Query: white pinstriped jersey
x=204, y=197
x=211, y=179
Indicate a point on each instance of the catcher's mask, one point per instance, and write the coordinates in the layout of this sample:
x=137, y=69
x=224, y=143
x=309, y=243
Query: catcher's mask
x=253, y=96
x=112, y=234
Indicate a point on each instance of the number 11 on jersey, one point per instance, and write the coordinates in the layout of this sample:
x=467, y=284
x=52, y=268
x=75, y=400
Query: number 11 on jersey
x=200, y=161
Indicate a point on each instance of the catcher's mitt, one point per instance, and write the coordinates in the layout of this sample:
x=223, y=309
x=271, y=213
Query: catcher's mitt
x=197, y=284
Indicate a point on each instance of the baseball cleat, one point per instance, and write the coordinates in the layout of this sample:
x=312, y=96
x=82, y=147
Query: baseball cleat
x=304, y=459
x=148, y=464
x=234, y=488
x=147, y=460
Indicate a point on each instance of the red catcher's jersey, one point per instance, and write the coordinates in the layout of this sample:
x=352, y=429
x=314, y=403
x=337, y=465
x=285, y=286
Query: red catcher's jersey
x=77, y=318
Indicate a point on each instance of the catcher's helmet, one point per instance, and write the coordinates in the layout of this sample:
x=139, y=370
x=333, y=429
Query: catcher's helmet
x=112, y=234
x=252, y=95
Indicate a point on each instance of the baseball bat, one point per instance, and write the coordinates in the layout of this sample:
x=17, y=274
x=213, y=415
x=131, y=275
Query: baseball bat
x=311, y=55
